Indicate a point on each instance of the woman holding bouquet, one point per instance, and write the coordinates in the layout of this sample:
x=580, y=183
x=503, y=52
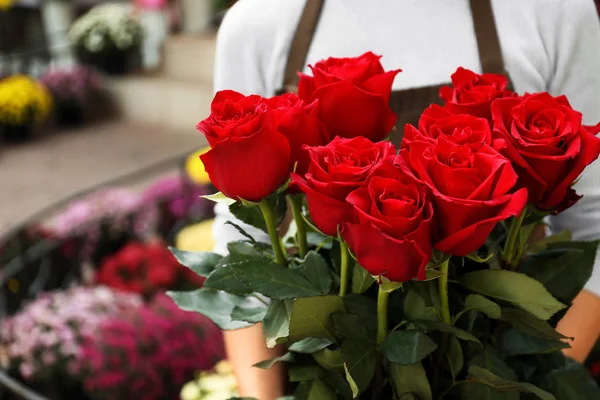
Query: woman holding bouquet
x=539, y=45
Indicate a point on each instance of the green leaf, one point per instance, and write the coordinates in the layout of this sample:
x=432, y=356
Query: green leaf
x=572, y=383
x=364, y=307
x=361, y=279
x=245, y=270
x=484, y=305
x=442, y=327
x=316, y=270
x=249, y=314
x=541, y=245
x=455, y=356
x=564, y=268
x=287, y=357
x=329, y=359
x=388, y=286
x=515, y=288
x=360, y=358
x=276, y=324
x=349, y=326
x=251, y=215
x=488, y=378
x=516, y=343
x=407, y=347
x=311, y=317
x=320, y=391
x=202, y=263
x=306, y=372
x=310, y=345
x=219, y=198
x=416, y=308
x=529, y=324
x=410, y=379
x=216, y=305
x=475, y=257
x=340, y=384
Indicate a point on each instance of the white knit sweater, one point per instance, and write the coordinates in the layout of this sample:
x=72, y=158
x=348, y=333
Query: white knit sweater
x=548, y=45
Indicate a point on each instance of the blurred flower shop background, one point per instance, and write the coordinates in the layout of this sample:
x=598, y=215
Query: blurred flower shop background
x=100, y=174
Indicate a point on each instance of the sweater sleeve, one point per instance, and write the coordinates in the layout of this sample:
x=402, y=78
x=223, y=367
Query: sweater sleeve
x=576, y=48
x=237, y=67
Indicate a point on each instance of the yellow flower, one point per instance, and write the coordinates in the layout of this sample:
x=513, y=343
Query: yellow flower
x=196, y=237
x=5, y=4
x=195, y=168
x=23, y=99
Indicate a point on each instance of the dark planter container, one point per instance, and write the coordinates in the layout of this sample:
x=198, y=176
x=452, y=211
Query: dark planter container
x=113, y=62
x=17, y=133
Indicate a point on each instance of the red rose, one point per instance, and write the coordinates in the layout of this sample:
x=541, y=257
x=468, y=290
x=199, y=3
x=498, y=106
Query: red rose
x=437, y=121
x=392, y=235
x=548, y=146
x=472, y=191
x=353, y=95
x=473, y=94
x=336, y=170
x=248, y=159
x=300, y=124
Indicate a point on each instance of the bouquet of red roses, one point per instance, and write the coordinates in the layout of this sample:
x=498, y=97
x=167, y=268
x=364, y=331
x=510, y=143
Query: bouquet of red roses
x=411, y=272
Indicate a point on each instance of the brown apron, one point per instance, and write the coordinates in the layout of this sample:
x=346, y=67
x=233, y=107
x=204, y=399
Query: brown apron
x=407, y=104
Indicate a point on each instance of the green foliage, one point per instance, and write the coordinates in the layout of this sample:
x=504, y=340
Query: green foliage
x=500, y=344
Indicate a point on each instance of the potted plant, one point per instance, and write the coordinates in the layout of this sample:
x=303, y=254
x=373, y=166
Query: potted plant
x=72, y=90
x=24, y=102
x=108, y=37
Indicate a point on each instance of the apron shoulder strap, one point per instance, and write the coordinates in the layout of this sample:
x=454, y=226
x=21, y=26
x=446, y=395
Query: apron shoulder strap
x=301, y=44
x=488, y=43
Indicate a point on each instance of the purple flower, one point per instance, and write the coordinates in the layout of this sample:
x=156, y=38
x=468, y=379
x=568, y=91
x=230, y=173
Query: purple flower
x=75, y=85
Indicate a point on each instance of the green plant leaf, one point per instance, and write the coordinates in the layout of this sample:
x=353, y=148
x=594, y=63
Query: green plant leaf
x=216, y=305
x=484, y=305
x=202, y=263
x=251, y=215
x=517, y=343
x=407, y=347
x=364, y=307
x=416, y=308
x=571, y=383
x=442, y=327
x=515, y=288
x=360, y=358
x=321, y=391
x=348, y=326
x=564, y=268
x=361, y=279
x=249, y=314
x=316, y=270
x=490, y=379
x=245, y=270
x=410, y=380
x=219, y=198
x=310, y=345
x=455, y=356
x=329, y=359
x=305, y=372
x=541, y=245
x=311, y=317
x=287, y=357
x=276, y=324
x=529, y=324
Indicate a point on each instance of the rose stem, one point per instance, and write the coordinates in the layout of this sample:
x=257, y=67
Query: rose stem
x=345, y=267
x=296, y=202
x=267, y=213
x=445, y=314
x=513, y=236
x=382, y=315
x=443, y=288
